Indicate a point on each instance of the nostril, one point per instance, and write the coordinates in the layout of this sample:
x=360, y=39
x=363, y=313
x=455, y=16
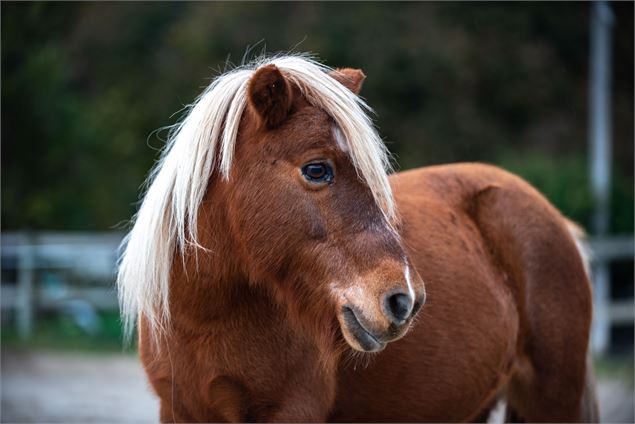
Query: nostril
x=399, y=307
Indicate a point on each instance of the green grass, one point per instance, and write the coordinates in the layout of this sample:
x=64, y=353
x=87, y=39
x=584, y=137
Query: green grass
x=617, y=367
x=59, y=332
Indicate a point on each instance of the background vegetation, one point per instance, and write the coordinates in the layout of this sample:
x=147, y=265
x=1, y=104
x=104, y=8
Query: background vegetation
x=85, y=86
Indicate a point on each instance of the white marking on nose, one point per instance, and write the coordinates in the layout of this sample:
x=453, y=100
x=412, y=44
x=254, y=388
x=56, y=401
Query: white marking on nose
x=411, y=290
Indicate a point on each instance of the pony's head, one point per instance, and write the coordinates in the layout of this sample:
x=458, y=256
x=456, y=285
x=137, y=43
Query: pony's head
x=287, y=152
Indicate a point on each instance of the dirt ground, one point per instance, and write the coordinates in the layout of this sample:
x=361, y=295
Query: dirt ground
x=74, y=388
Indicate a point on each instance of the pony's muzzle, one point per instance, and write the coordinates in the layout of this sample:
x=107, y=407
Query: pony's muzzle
x=371, y=334
x=357, y=334
x=379, y=307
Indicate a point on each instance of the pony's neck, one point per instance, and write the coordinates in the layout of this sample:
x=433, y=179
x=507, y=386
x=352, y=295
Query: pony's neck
x=206, y=283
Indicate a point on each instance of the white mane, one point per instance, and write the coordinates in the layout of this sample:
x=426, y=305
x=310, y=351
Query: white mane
x=204, y=141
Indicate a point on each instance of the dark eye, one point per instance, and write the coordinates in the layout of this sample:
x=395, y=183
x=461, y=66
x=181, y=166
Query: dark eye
x=318, y=172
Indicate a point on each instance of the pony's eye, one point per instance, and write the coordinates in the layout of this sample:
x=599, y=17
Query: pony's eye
x=318, y=172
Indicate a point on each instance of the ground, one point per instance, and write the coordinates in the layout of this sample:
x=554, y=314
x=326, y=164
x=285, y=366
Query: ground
x=73, y=388
x=87, y=387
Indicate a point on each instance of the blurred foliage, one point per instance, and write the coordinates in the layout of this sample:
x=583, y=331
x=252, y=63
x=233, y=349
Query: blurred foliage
x=565, y=181
x=85, y=86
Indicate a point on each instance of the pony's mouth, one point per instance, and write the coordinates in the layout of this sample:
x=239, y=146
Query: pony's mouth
x=363, y=339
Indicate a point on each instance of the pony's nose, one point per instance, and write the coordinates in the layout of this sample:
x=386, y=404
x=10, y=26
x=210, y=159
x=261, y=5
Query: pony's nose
x=398, y=307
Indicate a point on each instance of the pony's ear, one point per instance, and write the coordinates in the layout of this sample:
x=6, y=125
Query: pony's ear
x=349, y=78
x=270, y=95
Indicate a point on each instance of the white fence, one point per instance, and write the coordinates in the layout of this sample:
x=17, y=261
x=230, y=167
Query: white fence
x=75, y=272
x=608, y=312
x=72, y=272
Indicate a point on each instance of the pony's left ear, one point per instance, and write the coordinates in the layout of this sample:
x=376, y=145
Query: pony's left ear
x=349, y=78
x=270, y=95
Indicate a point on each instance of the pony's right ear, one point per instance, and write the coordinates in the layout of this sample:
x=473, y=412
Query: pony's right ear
x=270, y=95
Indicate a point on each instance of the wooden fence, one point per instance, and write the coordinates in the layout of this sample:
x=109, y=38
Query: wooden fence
x=49, y=270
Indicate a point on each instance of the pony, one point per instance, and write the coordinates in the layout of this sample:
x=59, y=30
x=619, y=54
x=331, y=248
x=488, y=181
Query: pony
x=275, y=270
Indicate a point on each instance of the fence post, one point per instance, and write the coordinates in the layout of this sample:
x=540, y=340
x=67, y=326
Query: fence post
x=24, y=310
x=600, y=157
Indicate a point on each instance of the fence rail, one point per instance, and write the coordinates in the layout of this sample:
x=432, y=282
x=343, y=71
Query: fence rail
x=71, y=272
x=39, y=269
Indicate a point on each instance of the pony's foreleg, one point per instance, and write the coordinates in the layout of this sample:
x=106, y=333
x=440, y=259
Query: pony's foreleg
x=308, y=404
x=306, y=413
x=170, y=414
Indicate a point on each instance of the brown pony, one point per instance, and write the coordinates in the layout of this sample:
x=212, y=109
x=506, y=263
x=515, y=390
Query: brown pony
x=277, y=271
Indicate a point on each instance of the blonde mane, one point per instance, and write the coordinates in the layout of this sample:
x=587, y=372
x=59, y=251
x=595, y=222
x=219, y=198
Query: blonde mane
x=203, y=142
